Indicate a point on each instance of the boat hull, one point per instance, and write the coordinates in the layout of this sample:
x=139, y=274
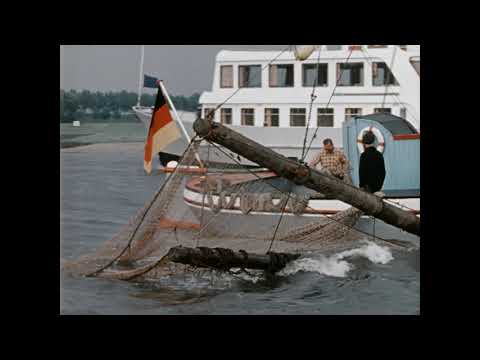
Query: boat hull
x=255, y=224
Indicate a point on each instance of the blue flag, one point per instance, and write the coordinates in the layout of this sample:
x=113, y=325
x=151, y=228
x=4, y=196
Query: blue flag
x=150, y=82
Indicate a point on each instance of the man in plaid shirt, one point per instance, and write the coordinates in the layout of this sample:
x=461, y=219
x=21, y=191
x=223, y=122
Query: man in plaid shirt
x=332, y=160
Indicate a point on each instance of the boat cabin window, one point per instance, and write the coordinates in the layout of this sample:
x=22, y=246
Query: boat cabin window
x=249, y=76
x=298, y=117
x=416, y=65
x=310, y=73
x=281, y=75
x=382, y=110
x=350, y=74
x=272, y=117
x=352, y=112
x=226, y=116
x=324, y=117
x=381, y=75
x=209, y=113
x=403, y=113
x=248, y=117
x=226, y=76
x=334, y=47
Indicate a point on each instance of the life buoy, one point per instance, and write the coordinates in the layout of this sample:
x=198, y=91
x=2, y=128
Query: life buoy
x=378, y=135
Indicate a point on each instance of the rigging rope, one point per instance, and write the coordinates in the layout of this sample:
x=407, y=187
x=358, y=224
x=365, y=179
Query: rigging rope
x=204, y=193
x=367, y=57
x=388, y=76
x=312, y=99
x=279, y=221
x=329, y=100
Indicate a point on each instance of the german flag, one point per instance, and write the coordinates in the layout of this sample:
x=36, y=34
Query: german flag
x=163, y=131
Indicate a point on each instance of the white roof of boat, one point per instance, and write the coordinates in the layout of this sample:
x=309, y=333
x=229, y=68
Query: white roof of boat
x=228, y=55
x=255, y=55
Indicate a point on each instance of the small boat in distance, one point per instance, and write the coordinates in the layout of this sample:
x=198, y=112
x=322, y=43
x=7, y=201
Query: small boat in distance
x=143, y=113
x=76, y=123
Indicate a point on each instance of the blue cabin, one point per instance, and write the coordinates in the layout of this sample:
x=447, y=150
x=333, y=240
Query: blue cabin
x=401, y=150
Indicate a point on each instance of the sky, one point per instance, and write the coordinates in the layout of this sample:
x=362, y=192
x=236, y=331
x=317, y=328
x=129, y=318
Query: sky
x=185, y=69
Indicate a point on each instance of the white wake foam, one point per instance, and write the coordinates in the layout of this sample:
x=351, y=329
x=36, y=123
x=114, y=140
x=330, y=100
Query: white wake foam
x=335, y=265
x=330, y=266
x=373, y=252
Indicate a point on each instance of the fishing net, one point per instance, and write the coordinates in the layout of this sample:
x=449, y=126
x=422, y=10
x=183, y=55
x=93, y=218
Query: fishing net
x=253, y=211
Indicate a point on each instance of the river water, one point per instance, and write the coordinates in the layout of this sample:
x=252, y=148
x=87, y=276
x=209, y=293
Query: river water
x=103, y=184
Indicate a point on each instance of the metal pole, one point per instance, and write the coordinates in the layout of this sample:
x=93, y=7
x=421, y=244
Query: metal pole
x=140, y=75
x=170, y=103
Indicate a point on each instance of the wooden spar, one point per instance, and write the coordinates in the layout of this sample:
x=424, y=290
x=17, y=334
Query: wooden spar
x=225, y=259
x=301, y=174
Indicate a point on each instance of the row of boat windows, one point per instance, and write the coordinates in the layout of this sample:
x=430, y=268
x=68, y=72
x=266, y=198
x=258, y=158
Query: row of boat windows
x=282, y=75
x=298, y=116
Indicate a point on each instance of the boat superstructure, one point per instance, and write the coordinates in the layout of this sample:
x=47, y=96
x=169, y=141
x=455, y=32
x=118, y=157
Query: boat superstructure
x=273, y=104
x=271, y=101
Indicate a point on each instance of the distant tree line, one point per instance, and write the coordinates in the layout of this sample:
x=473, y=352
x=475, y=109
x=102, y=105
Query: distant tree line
x=112, y=106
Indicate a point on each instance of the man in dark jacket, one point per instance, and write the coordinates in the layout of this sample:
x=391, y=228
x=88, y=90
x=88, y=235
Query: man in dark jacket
x=372, y=165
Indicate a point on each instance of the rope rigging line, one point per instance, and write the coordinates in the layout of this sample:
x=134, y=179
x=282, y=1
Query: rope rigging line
x=279, y=221
x=388, y=76
x=367, y=57
x=204, y=192
x=312, y=99
x=157, y=194
x=329, y=100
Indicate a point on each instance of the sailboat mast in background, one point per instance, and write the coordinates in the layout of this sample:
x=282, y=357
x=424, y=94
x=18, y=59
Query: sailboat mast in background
x=140, y=75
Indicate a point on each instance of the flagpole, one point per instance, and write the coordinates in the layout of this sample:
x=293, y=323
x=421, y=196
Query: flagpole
x=140, y=76
x=170, y=103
